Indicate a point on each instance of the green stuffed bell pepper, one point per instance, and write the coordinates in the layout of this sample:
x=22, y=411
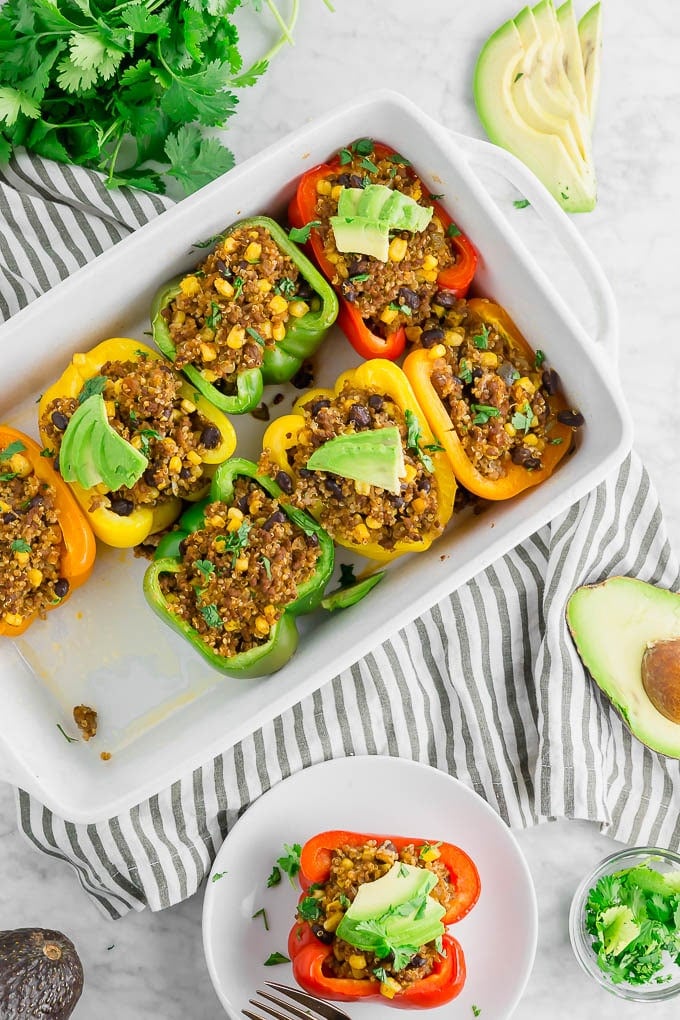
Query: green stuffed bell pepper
x=248, y=315
x=238, y=570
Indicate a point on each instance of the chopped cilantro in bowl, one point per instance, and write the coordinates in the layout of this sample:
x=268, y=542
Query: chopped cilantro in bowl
x=624, y=924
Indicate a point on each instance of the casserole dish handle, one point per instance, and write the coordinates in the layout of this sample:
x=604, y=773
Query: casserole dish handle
x=9, y=772
x=512, y=169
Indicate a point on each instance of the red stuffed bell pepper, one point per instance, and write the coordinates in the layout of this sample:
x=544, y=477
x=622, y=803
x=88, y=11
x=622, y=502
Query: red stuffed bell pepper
x=341, y=952
x=382, y=303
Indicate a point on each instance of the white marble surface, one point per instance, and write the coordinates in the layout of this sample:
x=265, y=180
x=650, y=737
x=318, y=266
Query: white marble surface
x=151, y=965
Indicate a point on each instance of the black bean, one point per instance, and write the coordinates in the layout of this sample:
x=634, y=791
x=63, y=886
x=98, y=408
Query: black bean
x=551, y=381
x=524, y=456
x=358, y=267
x=359, y=415
x=317, y=406
x=284, y=481
x=355, y=181
x=243, y=264
x=305, y=289
x=322, y=935
x=242, y=504
x=261, y=412
x=333, y=488
x=55, y=462
x=348, y=292
x=278, y=517
x=507, y=372
x=375, y=401
x=430, y=337
x=304, y=377
x=445, y=298
x=571, y=417
x=277, y=398
x=59, y=420
x=149, y=477
x=224, y=269
x=211, y=437
x=8, y=517
x=313, y=539
x=409, y=298
x=424, y=484
x=476, y=374
x=305, y=473
x=397, y=502
x=389, y=845
x=61, y=587
x=416, y=961
x=121, y=506
x=344, y=179
x=185, y=473
x=36, y=501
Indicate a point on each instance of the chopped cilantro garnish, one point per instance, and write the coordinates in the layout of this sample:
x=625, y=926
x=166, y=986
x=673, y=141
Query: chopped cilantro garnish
x=360, y=277
x=215, y=317
x=285, y=286
x=263, y=914
x=93, y=386
x=309, y=909
x=464, y=371
x=211, y=615
x=435, y=198
x=433, y=447
x=275, y=958
x=483, y=412
x=364, y=146
x=16, y=447
x=557, y=441
x=301, y=234
x=344, y=901
x=8, y=476
x=380, y=973
x=218, y=875
x=414, y=437
x=368, y=164
x=20, y=545
x=274, y=878
x=146, y=435
x=564, y=195
x=71, y=740
x=208, y=241
x=539, y=359
x=522, y=418
x=133, y=416
x=141, y=354
x=396, y=157
x=236, y=541
x=238, y=286
x=481, y=340
x=476, y=1011
x=289, y=861
x=267, y=564
x=205, y=567
x=521, y=203
x=517, y=77
x=452, y=230
x=252, y=332
x=345, y=157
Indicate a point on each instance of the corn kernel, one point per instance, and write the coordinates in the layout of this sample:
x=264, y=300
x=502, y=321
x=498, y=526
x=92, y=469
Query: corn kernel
x=223, y=287
x=413, y=333
x=357, y=961
x=437, y=224
x=346, y=864
x=430, y=853
x=190, y=286
x=336, y=191
x=298, y=308
x=510, y=429
x=397, y=249
x=233, y=513
x=236, y=338
x=489, y=359
x=136, y=441
x=333, y=257
x=429, y=275
x=175, y=464
x=388, y=315
x=438, y=310
x=194, y=457
x=187, y=405
x=20, y=465
x=229, y=245
x=265, y=329
x=179, y=317
x=233, y=524
x=438, y=351
x=22, y=558
x=323, y=187
x=373, y=523
x=209, y=375
x=410, y=473
x=416, y=191
x=389, y=988
x=342, y=270
x=278, y=331
x=220, y=543
x=453, y=337
x=206, y=334
x=534, y=422
x=264, y=286
x=261, y=625
x=278, y=304
x=419, y=504
x=154, y=493
x=13, y=619
x=526, y=385
x=531, y=440
x=34, y=576
x=241, y=564
x=363, y=488
x=270, y=613
x=361, y=533
x=4, y=507
x=233, y=625
x=430, y=262
x=332, y=921
x=253, y=252
x=208, y=352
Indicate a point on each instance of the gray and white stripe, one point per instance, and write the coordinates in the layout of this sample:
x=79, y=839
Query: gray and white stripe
x=486, y=686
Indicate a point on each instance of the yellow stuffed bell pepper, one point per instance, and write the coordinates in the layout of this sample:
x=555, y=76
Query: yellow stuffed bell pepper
x=371, y=408
x=139, y=439
x=515, y=437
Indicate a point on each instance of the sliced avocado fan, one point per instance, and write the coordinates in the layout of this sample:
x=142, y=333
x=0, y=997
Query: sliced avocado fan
x=366, y=216
x=375, y=458
x=93, y=452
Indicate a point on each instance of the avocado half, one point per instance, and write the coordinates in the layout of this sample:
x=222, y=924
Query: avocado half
x=40, y=975
x=627, y=633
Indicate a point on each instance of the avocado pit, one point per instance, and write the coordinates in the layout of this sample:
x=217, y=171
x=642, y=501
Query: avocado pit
x=660, y=671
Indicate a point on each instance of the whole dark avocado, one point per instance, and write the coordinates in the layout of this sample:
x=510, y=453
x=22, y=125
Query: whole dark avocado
x=41, y=976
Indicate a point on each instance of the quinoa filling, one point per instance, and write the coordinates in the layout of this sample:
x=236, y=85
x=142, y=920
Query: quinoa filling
x=325, y=906
x=240, y=571
x=354, y=510
x=401, y=291
x=498, y=398
x=30, y=543
x=145, y=406
x=239, y=302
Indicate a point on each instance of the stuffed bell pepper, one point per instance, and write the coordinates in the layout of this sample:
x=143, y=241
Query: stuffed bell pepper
x=372, y=917
x=248, y=315
x=133, y=439
x=47, y=548
x=238, y=571
x=362, y=460
x=492, y=402
x=387, y=245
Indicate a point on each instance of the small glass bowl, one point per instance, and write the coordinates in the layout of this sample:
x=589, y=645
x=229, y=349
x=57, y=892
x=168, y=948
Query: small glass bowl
x=582, y=940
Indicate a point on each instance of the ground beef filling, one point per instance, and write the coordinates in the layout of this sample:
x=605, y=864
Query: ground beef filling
x=499, y=400
x=352, y=866
x=240, y=571
x=145, y=406
x=352, y=510
x=30, y=543
x=399, y=292
x=239, y=302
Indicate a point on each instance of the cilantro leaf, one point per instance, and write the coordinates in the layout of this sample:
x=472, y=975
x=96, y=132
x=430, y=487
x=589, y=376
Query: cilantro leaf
x=275, y=958
x=194, y=160
x=290, y=860
x=16, y=447
x=211, y=616
x=274, y=878
x=205, y=567
x=309, y=909
x=20, y=545
x=93, y=386
x=301, y=234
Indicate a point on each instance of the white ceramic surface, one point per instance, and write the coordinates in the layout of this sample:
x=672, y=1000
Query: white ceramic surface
x=382, y=795
x=163, y=711
x=152, y=965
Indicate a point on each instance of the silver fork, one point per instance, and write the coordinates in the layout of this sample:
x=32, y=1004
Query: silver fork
x=313, y=1008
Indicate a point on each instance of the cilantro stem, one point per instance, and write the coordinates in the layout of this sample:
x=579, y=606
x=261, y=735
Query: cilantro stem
x=285, y=29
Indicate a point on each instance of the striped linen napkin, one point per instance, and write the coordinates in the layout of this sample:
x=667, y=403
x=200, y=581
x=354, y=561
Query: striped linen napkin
x=486, y=686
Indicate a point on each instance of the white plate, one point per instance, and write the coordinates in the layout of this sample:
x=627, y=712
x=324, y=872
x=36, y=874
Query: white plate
x=370, y=794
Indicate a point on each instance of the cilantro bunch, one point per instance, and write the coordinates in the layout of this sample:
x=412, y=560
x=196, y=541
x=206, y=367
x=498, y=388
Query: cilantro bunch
x=124, y=86
x=634, y=919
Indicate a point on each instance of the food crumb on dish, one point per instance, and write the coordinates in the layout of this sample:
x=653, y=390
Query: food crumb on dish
x=86, y=720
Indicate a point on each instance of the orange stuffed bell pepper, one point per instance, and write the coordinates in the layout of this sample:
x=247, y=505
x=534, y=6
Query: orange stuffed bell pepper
x=140, y=439
x=381, y=301
x=362, y=460
x=371, y=920
x=494, y=405
x=47, y=548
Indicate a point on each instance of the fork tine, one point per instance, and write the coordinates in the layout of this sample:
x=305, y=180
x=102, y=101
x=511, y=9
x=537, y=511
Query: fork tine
x=290, y=1009
x=251, y=1016
x=267, y=1009
x=320, y=1006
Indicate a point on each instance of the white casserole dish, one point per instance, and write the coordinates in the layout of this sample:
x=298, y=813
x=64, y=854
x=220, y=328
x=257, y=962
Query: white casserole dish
x=163, y=712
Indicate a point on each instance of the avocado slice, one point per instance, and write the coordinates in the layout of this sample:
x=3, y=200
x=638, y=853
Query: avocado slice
x=348, y=202
x=612, y=625
x=93, y=452
x=590, y=36
x=521, y=109
x=558, y=89
x=375, y=458
x=572, y=56
x=362, y=236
